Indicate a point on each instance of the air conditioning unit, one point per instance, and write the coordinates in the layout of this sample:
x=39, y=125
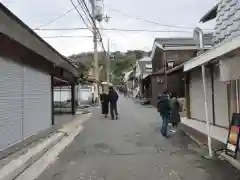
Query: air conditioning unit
x=170, y=63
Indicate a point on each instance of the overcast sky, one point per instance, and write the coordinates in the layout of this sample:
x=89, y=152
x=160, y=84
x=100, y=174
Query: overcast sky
x=184, y=13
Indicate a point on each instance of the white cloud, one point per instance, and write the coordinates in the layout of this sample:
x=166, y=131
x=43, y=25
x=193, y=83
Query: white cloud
x=184, y=13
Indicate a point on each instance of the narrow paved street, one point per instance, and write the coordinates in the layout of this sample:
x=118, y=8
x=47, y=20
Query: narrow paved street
x=132, y=148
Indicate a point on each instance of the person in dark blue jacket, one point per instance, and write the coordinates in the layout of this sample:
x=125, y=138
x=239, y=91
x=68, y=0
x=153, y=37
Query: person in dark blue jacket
x=113, y=98
x=164, y=109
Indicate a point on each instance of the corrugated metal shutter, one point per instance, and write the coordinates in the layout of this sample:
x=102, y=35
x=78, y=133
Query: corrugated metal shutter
x=37, y=101
x=197, y=96
x=220, y=100
x=11, y=81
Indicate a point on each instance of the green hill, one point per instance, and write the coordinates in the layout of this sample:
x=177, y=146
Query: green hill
x=120, y=63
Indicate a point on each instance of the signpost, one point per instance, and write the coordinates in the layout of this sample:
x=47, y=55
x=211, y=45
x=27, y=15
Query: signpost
x=233, y=136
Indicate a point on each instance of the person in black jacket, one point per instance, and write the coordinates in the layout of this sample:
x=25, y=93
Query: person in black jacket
x=113, y=98
x=104, y=102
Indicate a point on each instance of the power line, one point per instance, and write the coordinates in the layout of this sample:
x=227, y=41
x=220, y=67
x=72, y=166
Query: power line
x=148, y=21
x=114, y=29
x=85, y=11
x=57, y=18
x=75, y=7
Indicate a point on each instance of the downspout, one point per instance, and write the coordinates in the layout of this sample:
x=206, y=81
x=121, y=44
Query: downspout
x=206, y=111
x=237, y=96
x=201, y=36
x=165, y=70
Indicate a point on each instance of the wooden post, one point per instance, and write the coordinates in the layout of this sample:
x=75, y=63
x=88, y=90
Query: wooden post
x=73, y=100
x=52, y=99
x=187, y=95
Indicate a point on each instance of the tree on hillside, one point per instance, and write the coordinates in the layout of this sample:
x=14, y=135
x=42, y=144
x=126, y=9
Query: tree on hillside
x=121, y=63
x=84, y=63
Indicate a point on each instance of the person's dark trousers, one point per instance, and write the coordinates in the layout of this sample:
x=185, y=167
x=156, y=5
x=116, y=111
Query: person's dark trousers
x=165, y=119
x=113, y=110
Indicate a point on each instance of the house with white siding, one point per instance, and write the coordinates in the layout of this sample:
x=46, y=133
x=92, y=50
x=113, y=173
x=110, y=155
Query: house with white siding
x=29, y=70
x=219, y=67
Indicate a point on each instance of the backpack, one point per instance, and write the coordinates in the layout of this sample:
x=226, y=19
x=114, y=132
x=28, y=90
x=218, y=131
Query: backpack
x=163, y=105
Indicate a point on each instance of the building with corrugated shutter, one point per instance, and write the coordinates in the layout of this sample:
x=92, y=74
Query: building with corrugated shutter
x=221, y=64
x=29, y=68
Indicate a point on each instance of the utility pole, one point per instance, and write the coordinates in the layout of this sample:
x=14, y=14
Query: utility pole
x=108, y=62
x=97, y=15
x=95, y=54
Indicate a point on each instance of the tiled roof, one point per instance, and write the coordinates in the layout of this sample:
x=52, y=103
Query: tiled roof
x=168, y=42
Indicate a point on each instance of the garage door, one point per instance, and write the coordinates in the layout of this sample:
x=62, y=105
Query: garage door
x=11, y=78
x=37, y=102
x=197, y=96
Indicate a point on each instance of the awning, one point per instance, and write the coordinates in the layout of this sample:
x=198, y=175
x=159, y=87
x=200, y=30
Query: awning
x=210, y=15
x=60, y=82
x=159, y=72
x=218, y=51
x=14, y=28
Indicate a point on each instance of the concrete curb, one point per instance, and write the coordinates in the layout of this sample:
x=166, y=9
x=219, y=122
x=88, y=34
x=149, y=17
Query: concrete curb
x=220, y=155
x=71, y=130
x=231, y=160
x=18, y=165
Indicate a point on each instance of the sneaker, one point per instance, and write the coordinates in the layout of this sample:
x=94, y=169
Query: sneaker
x=173, y=130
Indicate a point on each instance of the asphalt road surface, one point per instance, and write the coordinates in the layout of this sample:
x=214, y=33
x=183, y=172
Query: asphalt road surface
x=132, y=148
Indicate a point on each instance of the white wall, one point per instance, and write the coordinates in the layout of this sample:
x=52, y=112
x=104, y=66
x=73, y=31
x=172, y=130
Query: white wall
x=63, y=95
x=229, y=68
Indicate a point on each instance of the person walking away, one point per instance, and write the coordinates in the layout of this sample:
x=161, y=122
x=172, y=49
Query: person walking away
x=104, y=102
x=164, y=109
x=175, y=118
x=113, y=98
x=125, y=91
x=92, y=98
